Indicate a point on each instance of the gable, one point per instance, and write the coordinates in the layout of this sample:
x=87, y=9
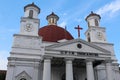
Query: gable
x=73, y=45
x=23, y=75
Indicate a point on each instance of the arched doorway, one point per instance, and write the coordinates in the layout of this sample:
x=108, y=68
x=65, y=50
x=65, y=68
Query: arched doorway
x=23, y=79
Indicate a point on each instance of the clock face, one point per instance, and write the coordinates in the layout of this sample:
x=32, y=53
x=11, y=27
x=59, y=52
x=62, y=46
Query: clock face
x=28, y=27
x=99, y=35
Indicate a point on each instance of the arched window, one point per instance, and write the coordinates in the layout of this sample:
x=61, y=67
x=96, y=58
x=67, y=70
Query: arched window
x=89, y=24
x=31, y=14
x=89, y=40
x=96, y=22
x=23, y=79
x=52, y=20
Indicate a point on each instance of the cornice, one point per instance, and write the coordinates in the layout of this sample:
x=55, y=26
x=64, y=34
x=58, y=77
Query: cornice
x=79, y=41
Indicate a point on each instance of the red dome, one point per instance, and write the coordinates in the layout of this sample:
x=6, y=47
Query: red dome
x=53, y=33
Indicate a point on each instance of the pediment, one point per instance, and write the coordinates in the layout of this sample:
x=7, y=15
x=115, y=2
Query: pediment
x=72, y=45
x=23, y=75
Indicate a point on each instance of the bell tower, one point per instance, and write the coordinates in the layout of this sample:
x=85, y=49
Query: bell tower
x=30, y=21
x=27, y=47
x=95, y=33
x=93, y=19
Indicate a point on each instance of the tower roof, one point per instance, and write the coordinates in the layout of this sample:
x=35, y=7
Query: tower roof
x=52, y=15
x=33, y=5
x=92, y=14
x=54, y=33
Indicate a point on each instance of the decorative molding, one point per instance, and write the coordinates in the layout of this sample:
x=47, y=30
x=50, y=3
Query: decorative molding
x=23, y=59
x=14, y=53
x=29, y=19
x=89, y=60
x=69, y=59
x=26, y=41
x=47, y=57
x=23, y=75
x=76, y=41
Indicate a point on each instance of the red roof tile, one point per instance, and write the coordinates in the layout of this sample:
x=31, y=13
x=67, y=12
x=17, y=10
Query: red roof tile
x=53, y=33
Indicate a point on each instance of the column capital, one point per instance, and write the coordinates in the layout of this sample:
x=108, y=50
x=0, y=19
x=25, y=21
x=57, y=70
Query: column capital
x=108, y=61
x=89, y=60
x=69, y=59
x=115, y=64
x=47, y=57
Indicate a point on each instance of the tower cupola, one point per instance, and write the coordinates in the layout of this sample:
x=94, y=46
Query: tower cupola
x=31, y=11
x=52, y=19
x=30, y=21
x=93, y=19
x=95, y=32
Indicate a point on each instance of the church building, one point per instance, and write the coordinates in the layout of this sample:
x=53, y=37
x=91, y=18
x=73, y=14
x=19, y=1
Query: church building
x=51, y=52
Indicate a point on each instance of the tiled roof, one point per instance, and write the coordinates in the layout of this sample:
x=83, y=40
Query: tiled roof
x=53, y=33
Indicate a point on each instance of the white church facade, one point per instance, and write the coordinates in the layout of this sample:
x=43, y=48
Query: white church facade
x=51, y=53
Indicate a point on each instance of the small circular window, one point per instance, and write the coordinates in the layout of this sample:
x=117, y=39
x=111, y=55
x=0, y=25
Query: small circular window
x=79, y=46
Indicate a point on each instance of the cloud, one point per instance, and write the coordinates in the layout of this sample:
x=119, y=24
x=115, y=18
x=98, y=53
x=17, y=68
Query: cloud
x=3, y=60
x=6, y=31
x=3, y=64
x=78, y=19
x=110, y=8
x=63, y=24
x=64, y=14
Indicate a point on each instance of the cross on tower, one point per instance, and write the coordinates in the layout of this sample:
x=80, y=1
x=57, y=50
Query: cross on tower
x=78, y=28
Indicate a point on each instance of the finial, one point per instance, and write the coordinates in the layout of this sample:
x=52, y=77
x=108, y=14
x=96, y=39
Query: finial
x=91, y=12
x=52, y=12
x=65, y=27
x=32, y=3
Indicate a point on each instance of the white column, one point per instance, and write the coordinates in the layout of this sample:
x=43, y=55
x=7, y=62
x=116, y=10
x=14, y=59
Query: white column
x=47, y=69
x=10, y=72
x=36, y=71
x=69, y=69
x=109, y=70
x=11, y=67
x=89, y=70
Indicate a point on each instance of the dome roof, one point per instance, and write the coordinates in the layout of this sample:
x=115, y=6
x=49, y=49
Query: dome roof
x=53, y=33
x=93, y=14
x=33, y=5
x=52, y=15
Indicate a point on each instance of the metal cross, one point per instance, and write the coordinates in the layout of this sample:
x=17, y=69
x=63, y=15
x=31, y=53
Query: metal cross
x=78, y=28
